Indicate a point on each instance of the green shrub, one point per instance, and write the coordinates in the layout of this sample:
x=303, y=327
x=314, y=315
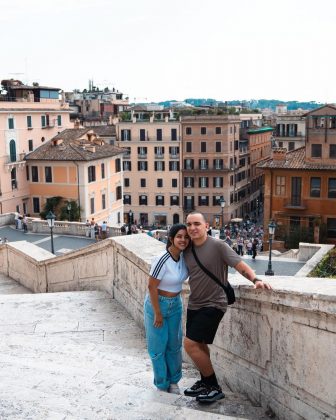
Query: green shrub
x=327, y=267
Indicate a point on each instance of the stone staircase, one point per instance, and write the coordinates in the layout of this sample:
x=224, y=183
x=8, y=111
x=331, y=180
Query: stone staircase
x=79, y=355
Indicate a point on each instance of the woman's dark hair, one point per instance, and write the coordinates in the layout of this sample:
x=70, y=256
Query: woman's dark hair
x=173, y=231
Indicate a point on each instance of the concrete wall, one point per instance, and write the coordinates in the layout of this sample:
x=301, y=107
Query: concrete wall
x=277, y=347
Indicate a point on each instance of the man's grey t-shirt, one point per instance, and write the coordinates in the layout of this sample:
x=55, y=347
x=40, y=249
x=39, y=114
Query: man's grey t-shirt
x=215, y=255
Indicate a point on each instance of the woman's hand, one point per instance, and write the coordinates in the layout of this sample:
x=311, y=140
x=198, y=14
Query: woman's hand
x=158, y=320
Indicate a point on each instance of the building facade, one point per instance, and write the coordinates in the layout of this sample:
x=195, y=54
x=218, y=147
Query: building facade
x=300, y=186
x=79, y=166
x=151, y=168
x=29, y=117
x=290, y=130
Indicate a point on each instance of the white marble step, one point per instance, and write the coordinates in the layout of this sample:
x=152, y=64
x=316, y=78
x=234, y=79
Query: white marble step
x=80, y=355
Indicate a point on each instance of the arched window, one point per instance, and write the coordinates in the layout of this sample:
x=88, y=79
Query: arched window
x=12, y=151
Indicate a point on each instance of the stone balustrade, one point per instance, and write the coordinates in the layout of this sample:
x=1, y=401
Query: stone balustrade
x=277, y=347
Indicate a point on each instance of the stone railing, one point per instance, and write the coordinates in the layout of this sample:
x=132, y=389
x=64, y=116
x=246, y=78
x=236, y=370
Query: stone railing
x=277, y=347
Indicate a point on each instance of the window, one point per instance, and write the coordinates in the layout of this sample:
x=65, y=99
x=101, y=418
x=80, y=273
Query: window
x=142, y=134
x=48, y=174
x=203, y=131
x=30, y=145
x=332, y=151
x=218, y=146
x=174, y=151
x=92, y=205
x=126, y=182
x=203, y=164
x=189, y=147
x=174, y=200
x=174, y=166
x=203, y=147
x=143, y=200
x=188, y=131
x=127, y=155
x=117, y=165
x=35, y=177
x=127, y=199
x=189, y=182
x=36, y=205
x=13, y=179
x=203, y=182
x=27, y=172
x=174, y=134
x=91, y=174
x=174, y=183
x=332, y=188
x=218, y=164
x=331, y=228
x=59, y=120
x=159, y=152
x=188, y=163
x=125, y=135
x=103, y=201
x=12, y=151
x=159, y=166
x=143, y=165
x=159, y=134
x=142, y=152
x=29, y=121
x=143, y=182
x=159, y=183
x=102, y=169
x=280, y=185
x=11, y=123
x=43, y=121
x=315, y=187
x=127, y=166
x=159, y=200
x=203, y=200
x=218, y=130
x=188, y=202
x=216, y=200
x=316, y=150
x=218, y=182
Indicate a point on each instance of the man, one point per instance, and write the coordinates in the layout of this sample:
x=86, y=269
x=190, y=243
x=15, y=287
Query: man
x=208, y=302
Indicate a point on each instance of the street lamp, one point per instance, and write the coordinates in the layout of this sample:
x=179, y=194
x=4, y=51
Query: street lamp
x=51, y=223
x=271, y=230
x=222, y=204
x=130, y=221
x=69, y=209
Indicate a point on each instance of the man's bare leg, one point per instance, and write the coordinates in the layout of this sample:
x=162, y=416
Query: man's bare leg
x=200, y=355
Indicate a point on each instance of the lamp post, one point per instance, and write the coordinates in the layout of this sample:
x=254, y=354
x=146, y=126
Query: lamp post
x=51, y=223
x=69, y=210
x=271, y=230
x=130, y=220
x=222, y=204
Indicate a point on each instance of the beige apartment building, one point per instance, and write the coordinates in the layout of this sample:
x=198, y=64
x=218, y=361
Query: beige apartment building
x=151, y=168
x=29, y=117
x=290, y=130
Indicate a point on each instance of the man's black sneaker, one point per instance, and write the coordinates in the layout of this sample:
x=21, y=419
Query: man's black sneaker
x=210, y=394
x=195, y=390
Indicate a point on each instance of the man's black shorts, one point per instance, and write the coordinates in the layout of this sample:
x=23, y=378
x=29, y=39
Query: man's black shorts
x=202, y=324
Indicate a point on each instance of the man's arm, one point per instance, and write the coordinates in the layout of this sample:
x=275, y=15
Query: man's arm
x=246, y=271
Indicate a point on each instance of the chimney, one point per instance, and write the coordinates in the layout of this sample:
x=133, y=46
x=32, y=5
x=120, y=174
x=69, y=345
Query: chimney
x=279, y=154
x=77, y=123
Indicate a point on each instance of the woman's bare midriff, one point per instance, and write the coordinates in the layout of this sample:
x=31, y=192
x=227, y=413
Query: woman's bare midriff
x=167, y=294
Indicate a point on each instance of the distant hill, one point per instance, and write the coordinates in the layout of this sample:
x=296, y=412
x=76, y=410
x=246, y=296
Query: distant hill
x=253, y=103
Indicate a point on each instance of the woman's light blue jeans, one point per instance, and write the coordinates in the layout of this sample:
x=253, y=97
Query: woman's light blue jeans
x=164, y=344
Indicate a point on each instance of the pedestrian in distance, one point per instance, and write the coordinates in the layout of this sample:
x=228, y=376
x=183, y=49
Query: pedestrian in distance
x=163, y=311
x=254, y=248
x=208, y=301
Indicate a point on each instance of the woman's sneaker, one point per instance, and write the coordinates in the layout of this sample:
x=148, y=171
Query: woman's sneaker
x=210, y=394
x=174, y=389
x=196, y=389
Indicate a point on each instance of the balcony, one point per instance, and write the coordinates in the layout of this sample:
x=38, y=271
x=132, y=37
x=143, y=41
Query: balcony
x=295, y=204
x=18, y=163
x=159, y=156
x=174, y=156
x=141, y=156
x=208, y=169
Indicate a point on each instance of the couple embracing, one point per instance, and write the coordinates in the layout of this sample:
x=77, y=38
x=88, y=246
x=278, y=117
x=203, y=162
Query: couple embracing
x=189, y=252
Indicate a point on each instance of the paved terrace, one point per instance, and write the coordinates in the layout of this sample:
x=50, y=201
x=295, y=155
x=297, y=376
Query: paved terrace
x=80, y=355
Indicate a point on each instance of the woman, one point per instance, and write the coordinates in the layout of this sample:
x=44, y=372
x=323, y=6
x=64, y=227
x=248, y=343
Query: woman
x=163, y=311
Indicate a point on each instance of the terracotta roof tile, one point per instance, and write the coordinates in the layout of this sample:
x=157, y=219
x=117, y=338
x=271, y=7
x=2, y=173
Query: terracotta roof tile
x=75, y=144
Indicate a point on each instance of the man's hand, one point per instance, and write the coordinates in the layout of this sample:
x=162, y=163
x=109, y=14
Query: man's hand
x=260, y=284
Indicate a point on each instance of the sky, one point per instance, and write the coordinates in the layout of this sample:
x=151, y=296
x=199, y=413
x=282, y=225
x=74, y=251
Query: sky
x=152, y=50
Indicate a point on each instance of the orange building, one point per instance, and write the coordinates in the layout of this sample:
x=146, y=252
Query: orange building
x=79, y=166
x=300, y=186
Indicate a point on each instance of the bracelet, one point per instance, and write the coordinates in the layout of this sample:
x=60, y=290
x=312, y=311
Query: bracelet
x=254, y=281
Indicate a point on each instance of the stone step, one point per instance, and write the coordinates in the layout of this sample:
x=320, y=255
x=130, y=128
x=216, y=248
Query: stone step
x=9, y=286
x=80, y=355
